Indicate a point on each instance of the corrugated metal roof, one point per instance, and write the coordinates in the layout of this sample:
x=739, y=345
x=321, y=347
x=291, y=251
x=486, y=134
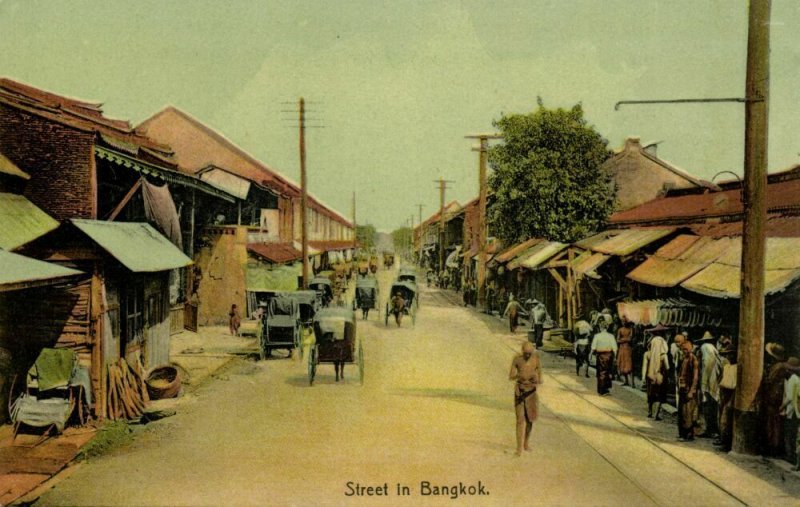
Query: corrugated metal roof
x=541, y=254
x=778, y=226
x=226, y=181
x=680, y=259
x=517, y=249
x=722, y=278
x=139, y=247
x=20, y=272
x=278, y=253
x=8, y=167
x=627, y=241
x=261, y=278
x=331, y=245
x=22, y=221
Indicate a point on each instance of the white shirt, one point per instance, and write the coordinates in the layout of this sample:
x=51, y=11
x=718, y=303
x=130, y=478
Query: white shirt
x=604, y=341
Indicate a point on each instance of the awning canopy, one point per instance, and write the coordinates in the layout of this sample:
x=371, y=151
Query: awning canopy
x=512, y=252
x=452, y=259
x=278, y=253
x=623, y=242
x=225, y=181
x=20, y=272
x=722, y=277
x=586, y=264
x=8, y=167
x=261, y=277
x=534, y=257
x=139, y=247
x=679, y=260
x=22, y=221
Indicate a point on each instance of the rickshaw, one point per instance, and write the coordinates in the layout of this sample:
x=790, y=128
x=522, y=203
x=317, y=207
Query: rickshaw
x=363, y=267
x=366, y=297
x=408, y=291
x=280, y=327
x=309, y=301
x=407, y=275
x=336, y=342
x=323, y=286
x=373, y=264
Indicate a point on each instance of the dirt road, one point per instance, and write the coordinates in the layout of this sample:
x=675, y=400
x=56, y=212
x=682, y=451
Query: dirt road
x=435, y=409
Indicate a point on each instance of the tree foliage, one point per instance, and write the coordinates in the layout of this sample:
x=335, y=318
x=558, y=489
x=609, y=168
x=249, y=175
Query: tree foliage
x=366, y=236
x=401, y=238
x=547, y=180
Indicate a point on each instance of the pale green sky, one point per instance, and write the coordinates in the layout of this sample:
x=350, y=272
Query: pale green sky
x=398, y=84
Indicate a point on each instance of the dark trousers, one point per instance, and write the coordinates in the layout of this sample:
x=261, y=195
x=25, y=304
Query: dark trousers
x=538, y=333
x=686, y=408
x=710, y=415
x=582, y=358
x=790, y=438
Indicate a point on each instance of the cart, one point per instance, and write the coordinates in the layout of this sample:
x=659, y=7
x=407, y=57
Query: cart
x=336, y=343
x=409, y=292
x=323, y=286
x=366, y=297
x=309, y=301
x=280, y=327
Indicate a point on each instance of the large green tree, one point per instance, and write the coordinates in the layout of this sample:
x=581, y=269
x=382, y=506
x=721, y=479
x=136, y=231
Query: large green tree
x=401, y=238
x=547, y=180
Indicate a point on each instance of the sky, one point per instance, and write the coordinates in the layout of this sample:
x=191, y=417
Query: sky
x=398, y=84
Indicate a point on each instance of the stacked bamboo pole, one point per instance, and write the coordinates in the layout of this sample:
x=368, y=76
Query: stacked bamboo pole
x=126, y=390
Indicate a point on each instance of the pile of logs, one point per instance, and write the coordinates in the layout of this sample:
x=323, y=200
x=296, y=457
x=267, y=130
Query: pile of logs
x=127, y=392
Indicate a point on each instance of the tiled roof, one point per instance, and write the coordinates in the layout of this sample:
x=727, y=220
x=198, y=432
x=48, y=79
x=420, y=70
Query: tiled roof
x=778, y=226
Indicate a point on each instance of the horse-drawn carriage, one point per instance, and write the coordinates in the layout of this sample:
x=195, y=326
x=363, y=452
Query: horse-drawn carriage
x=373, y=264
x=323, y=286
x=309, y=301
x=408, y=292
x=366, y=296
x=280, y=326
x=407, y=274
x=336, y=342
x=363, y=267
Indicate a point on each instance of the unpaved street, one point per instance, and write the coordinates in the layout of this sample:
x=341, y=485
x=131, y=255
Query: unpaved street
x=435, y=406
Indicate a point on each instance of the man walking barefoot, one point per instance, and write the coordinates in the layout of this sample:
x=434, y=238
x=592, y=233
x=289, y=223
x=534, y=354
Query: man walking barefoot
x=527, y=374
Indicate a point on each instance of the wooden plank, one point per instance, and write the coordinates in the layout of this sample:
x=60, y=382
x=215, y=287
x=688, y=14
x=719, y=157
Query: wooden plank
x=555, y=274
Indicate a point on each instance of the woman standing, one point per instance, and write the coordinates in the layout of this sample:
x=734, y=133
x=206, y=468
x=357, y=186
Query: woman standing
x=625, y=352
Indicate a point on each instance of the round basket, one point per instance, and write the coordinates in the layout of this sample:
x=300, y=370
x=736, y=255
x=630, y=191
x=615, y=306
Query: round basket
x=163, y=382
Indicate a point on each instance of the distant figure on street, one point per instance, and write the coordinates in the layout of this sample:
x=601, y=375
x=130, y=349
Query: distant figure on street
x=710, y=369
x=526, y=372
x=583, y=333
x=234, y=320
x=513, y=310
x=539, y=315
x=625, y=354
x=727, y=389
x=791, y=409
x=398, y=307
x=654, y=372
x=687, y=392
x=604, y=346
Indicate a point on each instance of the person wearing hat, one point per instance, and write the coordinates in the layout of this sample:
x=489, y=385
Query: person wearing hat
x=604, y=346
x=526, y=372
x=538, y=314
x=727, y=389
x=710, y=371
x=687, y=392
x=791, y=410
x=513, y=310
x=772, y=398
x=582, y=331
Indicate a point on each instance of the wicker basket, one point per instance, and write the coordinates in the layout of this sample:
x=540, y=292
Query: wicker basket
x=163, y=382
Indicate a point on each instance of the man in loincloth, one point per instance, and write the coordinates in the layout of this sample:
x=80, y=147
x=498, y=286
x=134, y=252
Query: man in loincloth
x=513, y=311
x=604, y=346
x=526, y=371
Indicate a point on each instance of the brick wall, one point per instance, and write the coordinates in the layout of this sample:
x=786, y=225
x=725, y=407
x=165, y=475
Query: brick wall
x=59, y=159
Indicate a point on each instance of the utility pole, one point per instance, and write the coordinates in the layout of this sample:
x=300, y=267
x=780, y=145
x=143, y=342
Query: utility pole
x=355, y=236
x=482, y=150
x=303, y=197
x=750, y=355
x=442, y=187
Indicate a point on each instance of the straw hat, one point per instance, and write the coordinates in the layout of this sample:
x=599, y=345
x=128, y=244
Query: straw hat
x=793, y=362
x=707, y=337
x=776, y=350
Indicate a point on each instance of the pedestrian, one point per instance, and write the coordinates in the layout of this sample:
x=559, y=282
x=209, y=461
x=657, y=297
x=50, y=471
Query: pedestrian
x=710, y=368
x=727, y=390
x=687, y=392
x=791, y=410
x=234, y=320
x=539, y=315
x=625, y=352
x=604, y=346
x=655, y=367
x=526, y=372
x=583, y=331
x=398, y=307
x=772, y=398
x=513, y=310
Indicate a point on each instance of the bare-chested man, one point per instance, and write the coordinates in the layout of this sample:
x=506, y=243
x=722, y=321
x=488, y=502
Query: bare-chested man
x=526, y=371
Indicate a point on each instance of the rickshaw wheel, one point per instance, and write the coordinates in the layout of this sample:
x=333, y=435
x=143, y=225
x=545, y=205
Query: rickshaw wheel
x=312, y=365
x=361, y=363
x=386, y=318
x=413, y=318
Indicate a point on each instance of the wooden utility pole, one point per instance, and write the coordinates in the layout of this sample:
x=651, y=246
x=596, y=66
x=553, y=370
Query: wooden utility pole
x=482, y=150
x=442, y=187
x=750, y=356
x=355, y=235
x=303, y=198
